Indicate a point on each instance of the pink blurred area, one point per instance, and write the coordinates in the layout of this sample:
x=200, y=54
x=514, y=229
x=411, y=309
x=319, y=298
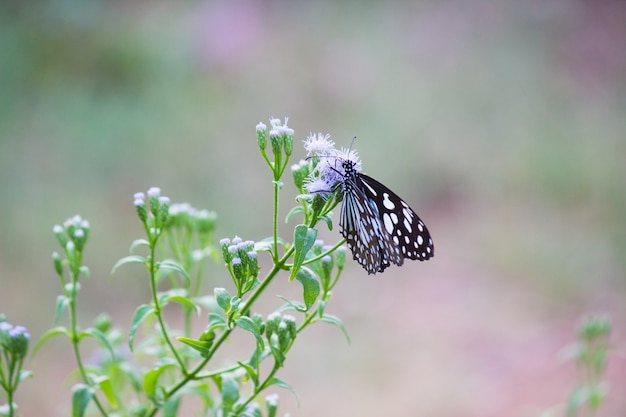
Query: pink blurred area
x=501, y=123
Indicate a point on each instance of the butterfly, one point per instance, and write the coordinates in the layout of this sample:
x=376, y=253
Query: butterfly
x=379, y=227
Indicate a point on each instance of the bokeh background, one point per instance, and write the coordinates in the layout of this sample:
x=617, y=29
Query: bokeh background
x=503, y=123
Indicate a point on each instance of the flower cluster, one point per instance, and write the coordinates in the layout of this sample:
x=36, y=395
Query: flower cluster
x=72, y=236
x=154, y=216
x=186, y=216
x=281, y=136
x=280, y=331
x=13, y=340
x=328, y=169
x=242, y=262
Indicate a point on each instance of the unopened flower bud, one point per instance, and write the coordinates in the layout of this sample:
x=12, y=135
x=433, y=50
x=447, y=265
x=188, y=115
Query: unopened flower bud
x=59, y=232
x=225, y=243
x=340, y=256
x=271, y=402
x=58, y=263
x=276, y=139
x=261, y=136
x=140, y=207
x=237, y=269
x=102, y=322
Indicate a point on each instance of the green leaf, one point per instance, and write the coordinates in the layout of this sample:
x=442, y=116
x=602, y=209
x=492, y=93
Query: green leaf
x=336, y=322
x=310, y=285
x=254, y=377
x=137, y=243
x=24, y=374
x=328, y=220
x=178, y=295
x=100, y=337
x=576, y=400
x=49, y=334
x=169, y=265
x=222, y=297
x=62, y=303
x=152, y=377
x=171, y=406
x=141, y=313
x=128, y=260
x=81, y=395
x=279, y=356
x=248, y=324
x=293, y=212
x=104, y=382
x=216, y=322
x=303, y=239
x=230, y=391
x=202, y=346
x=282, y=384
x=293, y=305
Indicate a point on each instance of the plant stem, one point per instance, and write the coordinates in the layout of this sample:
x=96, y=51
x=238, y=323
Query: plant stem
x=76, y=340
x=157, y=308
x=246, y=306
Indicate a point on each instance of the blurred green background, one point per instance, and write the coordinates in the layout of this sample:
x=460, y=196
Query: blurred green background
x=503, y=123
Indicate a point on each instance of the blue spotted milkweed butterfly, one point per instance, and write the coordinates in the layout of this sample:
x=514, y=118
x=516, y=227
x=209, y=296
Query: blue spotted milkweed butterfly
x=379, y=227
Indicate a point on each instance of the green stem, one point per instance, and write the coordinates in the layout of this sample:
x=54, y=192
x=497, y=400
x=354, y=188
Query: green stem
x=275, y=221
x=157, y=308
x=76, y=340
x=246, y=306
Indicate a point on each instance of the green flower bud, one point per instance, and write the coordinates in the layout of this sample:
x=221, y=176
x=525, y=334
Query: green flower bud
x=206, y=221
x=340, y=257
x=58, y=263
x=253, y=263
x=153, y=196
x=290, y=322
x=225, y=244
x=102, y=323
x=300, y=172
x=59, y=232
x=258, y=320
x=70, y=252
x=271, y=402
x=271, y=325
x=18, y=341
x=238, y=268
x=261, y=136
x=207, y=336
x=283, y=336
x=79, y=239
x=164, y=209
x=276, y=139
x=288, y=144
x=140, y=206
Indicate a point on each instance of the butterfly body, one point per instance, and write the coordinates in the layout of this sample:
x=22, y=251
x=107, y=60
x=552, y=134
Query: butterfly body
x=379, y=227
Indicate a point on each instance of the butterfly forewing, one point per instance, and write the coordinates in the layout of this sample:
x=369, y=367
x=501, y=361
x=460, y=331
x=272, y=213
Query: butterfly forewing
x=362, y=229
x=379, y=227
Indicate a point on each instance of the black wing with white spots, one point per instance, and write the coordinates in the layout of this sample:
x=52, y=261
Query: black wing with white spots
x=379, y=227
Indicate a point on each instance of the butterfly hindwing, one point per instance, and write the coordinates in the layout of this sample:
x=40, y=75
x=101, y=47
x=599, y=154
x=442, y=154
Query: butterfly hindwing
x=379, y=227
x=408, y=232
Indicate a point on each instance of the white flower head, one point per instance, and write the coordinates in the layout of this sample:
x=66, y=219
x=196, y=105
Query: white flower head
x=317, y=185
x=318, y=144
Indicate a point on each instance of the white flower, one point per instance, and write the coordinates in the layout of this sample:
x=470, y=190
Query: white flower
x=319, y=144
x=317, y=185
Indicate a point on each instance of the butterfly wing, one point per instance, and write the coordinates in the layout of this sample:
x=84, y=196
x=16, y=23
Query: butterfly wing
x=361, y=228
x=408, y=233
